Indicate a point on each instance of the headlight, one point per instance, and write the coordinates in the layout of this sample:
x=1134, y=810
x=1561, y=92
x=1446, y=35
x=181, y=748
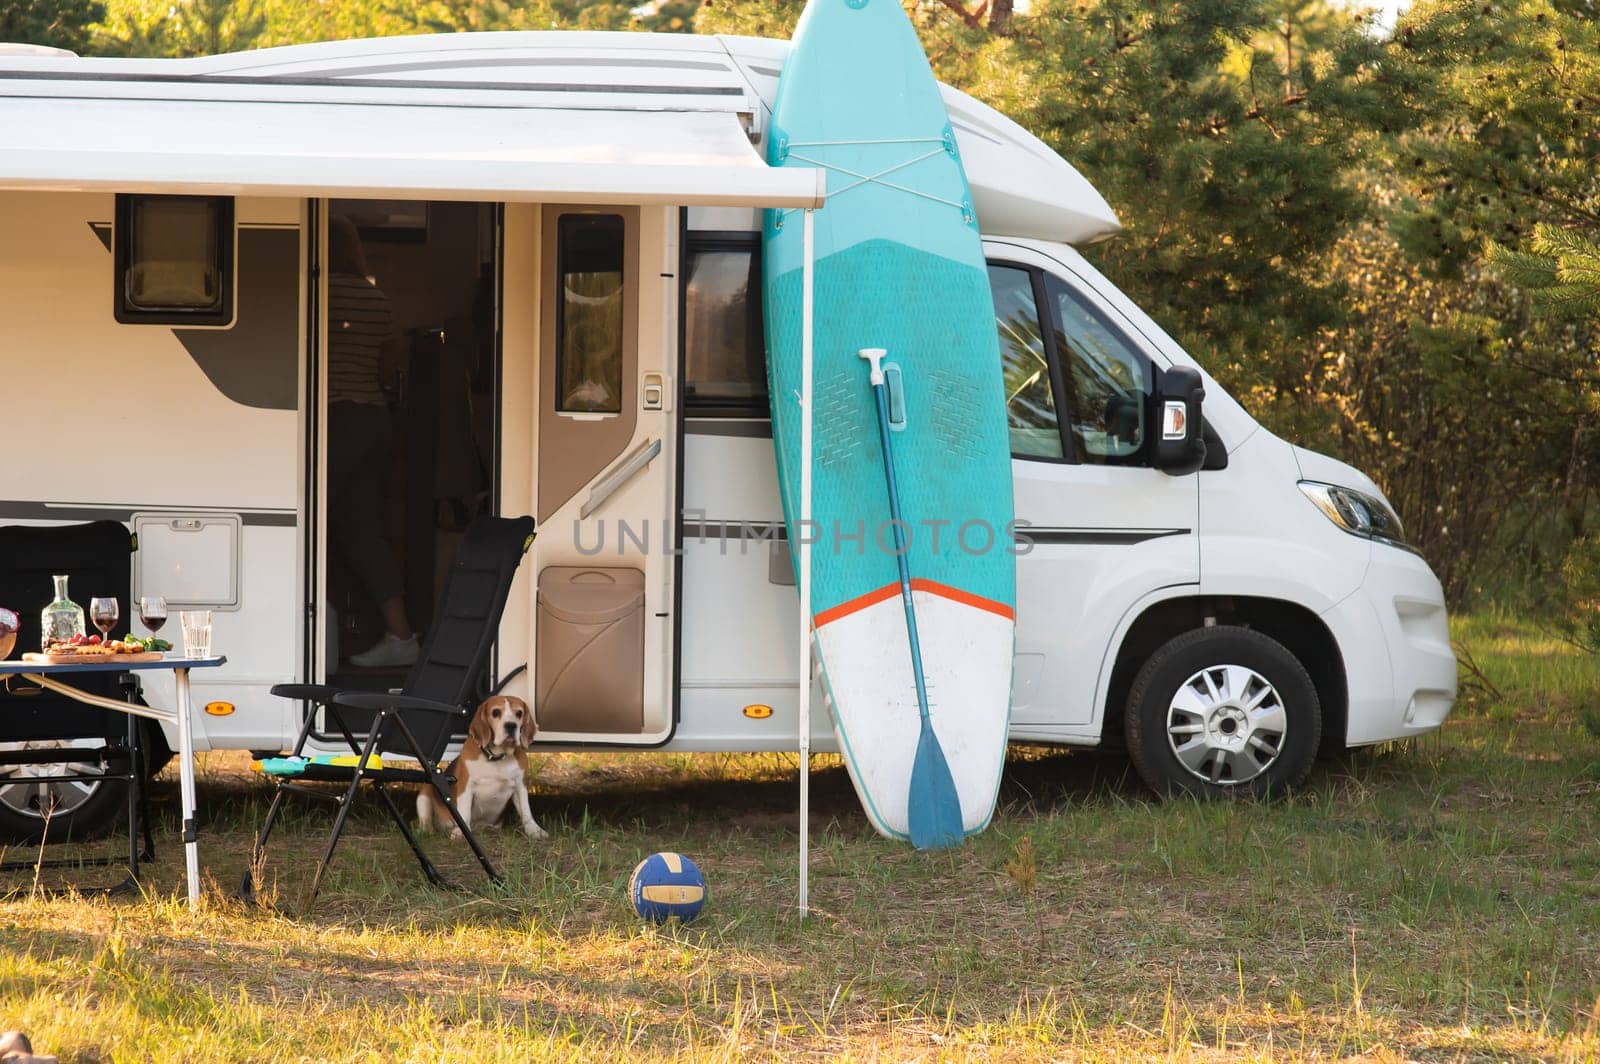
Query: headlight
x=1357, y=512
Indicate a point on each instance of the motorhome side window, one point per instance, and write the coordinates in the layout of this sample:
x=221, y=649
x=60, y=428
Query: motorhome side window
x=1108, y=380
x=1025, y=365
x=724, y=348
x=174, y=260
x=589, y=313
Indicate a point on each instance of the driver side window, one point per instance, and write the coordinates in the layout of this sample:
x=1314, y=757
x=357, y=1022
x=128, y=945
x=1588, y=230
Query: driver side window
x=1108, y=380
x=1025, y=365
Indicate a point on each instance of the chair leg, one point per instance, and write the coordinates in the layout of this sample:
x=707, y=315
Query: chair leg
x=411, y=839
x=345, y=803
x=247, y=891
x=449, y=802
x=344, y=729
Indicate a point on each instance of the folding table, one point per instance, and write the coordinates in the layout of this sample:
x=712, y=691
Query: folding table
x=51, y=677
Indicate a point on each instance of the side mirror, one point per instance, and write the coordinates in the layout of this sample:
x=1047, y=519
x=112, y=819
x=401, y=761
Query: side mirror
x=1180, y=445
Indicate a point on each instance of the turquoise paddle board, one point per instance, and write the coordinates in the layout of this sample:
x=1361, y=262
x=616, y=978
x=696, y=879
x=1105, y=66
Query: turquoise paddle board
x=899, y=267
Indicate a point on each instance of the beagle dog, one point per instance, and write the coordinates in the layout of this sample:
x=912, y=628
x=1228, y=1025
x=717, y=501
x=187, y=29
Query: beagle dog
x=491, y=772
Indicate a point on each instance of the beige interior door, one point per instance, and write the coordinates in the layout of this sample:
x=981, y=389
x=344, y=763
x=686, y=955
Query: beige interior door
x=604, y=468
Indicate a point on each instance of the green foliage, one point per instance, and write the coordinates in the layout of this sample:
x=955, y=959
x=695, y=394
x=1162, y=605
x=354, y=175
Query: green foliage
x=1230, y=187
x=1582, y=574
x=1498, y=170
x=457, y=16
x=1561, y=269
x=189, y=28
x=750, y=18
x=667, y=16
x=1513, y=92
x=54, y=23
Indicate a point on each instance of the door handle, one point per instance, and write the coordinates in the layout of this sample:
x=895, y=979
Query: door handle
x=653, y=391
x=620, y=474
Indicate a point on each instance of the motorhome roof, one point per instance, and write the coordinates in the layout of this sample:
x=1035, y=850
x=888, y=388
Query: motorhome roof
x=9, y=48
x=561, y=116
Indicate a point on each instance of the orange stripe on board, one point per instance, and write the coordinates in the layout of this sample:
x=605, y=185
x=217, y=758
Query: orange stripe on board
x=932, y=587
x=856, y=605
x=966, y=598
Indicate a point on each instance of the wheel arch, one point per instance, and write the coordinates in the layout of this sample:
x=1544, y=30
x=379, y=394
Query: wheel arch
x=1299, y=629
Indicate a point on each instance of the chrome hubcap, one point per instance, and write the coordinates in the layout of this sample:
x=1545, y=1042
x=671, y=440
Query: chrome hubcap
x=1226, y=724
x=36, y=790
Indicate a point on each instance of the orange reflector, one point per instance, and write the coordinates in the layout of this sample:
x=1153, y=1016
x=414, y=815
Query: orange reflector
x=219, y=709
x=758, y=711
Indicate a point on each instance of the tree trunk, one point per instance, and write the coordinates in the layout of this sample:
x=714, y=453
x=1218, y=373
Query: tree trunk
x=1000, y=17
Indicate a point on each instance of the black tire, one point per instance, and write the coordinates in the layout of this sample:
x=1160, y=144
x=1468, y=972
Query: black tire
x=1243, y=750
x=86, y=816
x=157, y=754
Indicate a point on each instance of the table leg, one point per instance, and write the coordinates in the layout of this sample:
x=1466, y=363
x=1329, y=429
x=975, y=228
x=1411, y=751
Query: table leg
x=135, y=783
x=191, y=841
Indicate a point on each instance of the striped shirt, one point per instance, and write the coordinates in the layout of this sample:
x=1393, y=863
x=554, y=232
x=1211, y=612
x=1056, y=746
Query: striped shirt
x=359, y=322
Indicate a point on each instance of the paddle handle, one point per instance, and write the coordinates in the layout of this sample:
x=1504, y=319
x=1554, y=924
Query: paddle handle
x=875, y=355
x=880, y=392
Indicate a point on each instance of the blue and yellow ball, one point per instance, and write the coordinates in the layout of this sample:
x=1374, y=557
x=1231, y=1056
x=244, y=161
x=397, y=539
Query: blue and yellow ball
x=667, y=886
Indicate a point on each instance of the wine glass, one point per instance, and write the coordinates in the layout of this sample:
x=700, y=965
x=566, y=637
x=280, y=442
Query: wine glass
x=152, y=612
x=104, y=613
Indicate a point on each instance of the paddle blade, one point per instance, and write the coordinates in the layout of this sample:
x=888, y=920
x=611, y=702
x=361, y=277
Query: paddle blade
x=935, y=810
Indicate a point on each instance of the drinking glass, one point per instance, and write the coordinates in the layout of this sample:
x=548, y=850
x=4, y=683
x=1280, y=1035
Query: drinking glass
x=153, y=612
x=104, y=613
x=196, y=633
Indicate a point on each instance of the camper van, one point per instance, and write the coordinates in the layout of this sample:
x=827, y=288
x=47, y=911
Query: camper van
x=294, y=317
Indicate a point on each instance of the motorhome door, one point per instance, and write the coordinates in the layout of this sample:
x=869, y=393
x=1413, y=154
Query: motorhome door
x=605, y=455
x=409, y=395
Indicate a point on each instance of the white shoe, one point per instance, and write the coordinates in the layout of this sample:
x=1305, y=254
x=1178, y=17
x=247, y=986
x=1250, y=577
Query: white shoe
x=388, y=652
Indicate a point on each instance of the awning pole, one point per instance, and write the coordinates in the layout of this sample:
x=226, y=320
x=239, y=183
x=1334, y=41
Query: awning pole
x=804, y=529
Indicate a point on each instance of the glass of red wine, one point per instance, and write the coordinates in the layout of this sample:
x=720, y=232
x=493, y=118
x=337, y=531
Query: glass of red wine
x=153, y=612
x=104, y=613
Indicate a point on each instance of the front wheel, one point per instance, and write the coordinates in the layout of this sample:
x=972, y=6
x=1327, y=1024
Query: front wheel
x=1223, y=712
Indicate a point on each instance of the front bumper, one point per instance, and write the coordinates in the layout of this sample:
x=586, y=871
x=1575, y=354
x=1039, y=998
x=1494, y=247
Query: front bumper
x=1395, y=634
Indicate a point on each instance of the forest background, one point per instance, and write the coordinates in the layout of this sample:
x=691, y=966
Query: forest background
x=1384, y=239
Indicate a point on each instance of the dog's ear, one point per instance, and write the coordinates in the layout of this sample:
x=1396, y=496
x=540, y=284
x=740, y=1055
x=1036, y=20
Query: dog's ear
x=482, y=728
x=529, y=728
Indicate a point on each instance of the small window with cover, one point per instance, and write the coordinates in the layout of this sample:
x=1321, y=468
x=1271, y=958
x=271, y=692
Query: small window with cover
x=174, y=260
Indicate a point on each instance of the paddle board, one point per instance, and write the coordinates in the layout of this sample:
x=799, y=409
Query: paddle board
x=899, y=266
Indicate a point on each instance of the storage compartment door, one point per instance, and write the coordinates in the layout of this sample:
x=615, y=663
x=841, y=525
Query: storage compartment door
x=589, y=676
x=192, y=560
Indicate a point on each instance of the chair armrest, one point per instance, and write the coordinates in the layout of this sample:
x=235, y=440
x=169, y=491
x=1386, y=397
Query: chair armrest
x=383, y=700
x=309, y=692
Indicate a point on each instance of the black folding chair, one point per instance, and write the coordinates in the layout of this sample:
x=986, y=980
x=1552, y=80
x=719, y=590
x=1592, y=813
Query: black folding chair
x=433, y=705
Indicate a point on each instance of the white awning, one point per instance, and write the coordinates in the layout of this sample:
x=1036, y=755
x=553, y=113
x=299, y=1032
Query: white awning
x=408, y=150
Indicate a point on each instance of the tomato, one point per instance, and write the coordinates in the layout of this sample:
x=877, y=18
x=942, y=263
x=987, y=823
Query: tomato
x=93, y=640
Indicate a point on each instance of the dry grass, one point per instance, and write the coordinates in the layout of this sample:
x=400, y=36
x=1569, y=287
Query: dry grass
x=1439, y=902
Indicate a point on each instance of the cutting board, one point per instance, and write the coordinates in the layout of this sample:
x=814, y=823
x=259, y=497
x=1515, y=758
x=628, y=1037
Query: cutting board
x=93, y=659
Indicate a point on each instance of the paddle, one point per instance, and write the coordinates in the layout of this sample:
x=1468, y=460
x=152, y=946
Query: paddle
x=934, y=809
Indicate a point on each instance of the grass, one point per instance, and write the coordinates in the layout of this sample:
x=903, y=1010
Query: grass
x=1437, y=901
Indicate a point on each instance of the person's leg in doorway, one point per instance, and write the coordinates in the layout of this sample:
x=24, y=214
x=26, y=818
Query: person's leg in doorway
x=358, y=453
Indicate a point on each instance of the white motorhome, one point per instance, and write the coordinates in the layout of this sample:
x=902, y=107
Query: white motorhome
x=564, y=228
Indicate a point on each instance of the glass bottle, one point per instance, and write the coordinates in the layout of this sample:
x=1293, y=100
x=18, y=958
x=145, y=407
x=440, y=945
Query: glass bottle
x=62, y=619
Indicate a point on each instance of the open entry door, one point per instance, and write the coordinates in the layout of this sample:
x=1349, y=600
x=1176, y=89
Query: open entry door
x=604, y=472
x=409, y=389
